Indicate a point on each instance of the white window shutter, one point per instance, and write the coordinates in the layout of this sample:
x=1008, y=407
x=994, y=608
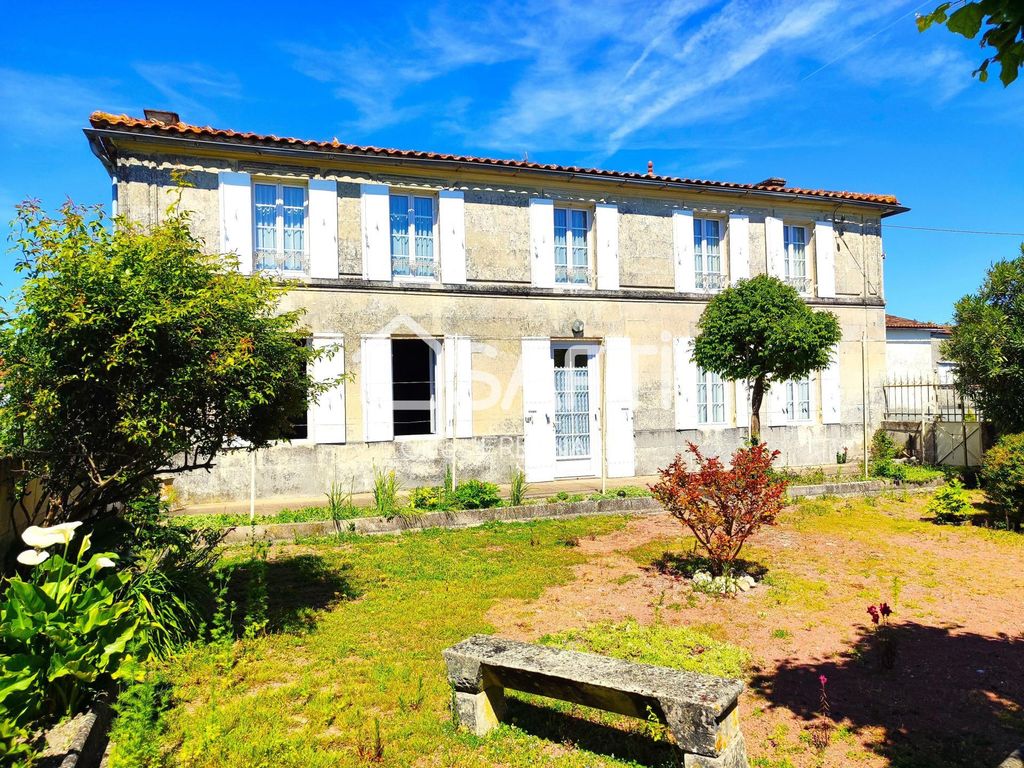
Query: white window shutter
x=376, y=213
x=620, y=444
x=775, y=247
x=458, y=374
x=825, y=258
x=235, y=191
x=538, y=376
x=685, y=383
x=682, y=238
x=742, y=404
x=774, y=406
x=831, y=391
x=327, y=412
x=606, y=221
x=378, y=399
x=451, y=218
x=739, y=247
x=542, y=242
x=323, y=228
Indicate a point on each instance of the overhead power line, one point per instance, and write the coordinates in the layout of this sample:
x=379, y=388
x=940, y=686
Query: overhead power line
x=957, y=231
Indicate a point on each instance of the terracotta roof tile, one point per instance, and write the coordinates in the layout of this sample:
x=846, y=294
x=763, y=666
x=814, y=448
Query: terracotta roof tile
x=105, y=120
x=895, y=321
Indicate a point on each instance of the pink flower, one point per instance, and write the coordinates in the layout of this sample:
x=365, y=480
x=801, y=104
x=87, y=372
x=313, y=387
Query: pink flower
x=873, y=611
x=885, y=609
x=822, y=679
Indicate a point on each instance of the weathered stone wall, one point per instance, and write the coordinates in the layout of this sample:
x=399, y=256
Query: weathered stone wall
x=497, y=219
x=498, y=308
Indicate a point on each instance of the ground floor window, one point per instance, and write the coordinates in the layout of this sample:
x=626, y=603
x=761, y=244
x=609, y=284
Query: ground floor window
x=798, y=400
x=414, y=387
x=572, y=404
x=710, y=398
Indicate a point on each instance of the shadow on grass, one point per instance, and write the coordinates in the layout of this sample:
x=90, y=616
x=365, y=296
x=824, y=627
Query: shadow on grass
x=949, y=700
x=682, y=565
x=560, y=727
x=298, y=588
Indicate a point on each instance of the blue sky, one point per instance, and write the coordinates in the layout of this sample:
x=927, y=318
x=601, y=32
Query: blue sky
x=825, y=93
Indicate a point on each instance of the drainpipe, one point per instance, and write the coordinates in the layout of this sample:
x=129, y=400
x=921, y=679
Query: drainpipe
x=864, y=350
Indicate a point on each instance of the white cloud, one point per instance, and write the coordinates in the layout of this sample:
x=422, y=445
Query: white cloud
x=40, y=108
x=595, y=77
x=188, y=88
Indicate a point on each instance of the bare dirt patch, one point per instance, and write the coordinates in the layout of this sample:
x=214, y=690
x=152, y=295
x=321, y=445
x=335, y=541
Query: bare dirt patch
x=954, y=695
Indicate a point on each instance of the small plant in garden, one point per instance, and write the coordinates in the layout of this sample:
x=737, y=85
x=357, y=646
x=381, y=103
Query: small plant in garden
x=821, y=730
x=949, y=505
x=882, y=457
x=883, y=638
x=723, y=507
x=385, y=492
x=339, y=502
x=517, y=488
x=476, y=494
x=67, y=631
x=1002, y=474
x=371, y=752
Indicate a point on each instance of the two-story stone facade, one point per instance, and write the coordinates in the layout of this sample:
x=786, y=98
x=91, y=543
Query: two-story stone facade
x=499, y=314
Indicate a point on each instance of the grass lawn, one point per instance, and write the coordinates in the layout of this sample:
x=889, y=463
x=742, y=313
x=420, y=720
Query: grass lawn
x=357, y=626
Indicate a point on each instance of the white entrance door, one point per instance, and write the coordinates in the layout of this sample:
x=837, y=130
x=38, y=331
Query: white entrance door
x=577, y=425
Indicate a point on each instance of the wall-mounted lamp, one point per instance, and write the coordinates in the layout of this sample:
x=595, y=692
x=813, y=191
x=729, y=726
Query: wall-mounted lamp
x=577, y=327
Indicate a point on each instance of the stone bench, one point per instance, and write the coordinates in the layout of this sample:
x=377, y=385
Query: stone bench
x=700, y=710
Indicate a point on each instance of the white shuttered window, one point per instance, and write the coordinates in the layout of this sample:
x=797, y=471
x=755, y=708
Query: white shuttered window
x=279, y=216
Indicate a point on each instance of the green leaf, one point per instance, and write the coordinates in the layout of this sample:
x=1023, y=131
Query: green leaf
x=967, y=20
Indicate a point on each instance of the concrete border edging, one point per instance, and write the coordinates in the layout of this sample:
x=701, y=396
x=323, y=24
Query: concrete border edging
x=89, y=742
x=468, y=518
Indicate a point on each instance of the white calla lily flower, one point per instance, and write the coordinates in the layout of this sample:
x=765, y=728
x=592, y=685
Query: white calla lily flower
x=39, y=537
x=104, y=562
x=32, y=557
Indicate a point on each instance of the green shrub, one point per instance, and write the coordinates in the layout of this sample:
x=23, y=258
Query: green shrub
x=431, y=498
x=1002, y=475
x=68, y=631
x=918, y=474
x=140, y=722
x=949, y=505
x=476, y=494
x=385, y=492
x=882, y=455
x=517, y=488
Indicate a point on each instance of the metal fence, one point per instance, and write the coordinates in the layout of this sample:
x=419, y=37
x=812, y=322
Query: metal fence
x=920, y=399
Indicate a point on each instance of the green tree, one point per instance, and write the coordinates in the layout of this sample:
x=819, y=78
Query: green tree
x=761, y=332
x=1004, y=31
x=987, y=345
x=130, y=351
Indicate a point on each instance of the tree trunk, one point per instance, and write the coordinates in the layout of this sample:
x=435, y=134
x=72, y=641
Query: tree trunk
x=756, y=397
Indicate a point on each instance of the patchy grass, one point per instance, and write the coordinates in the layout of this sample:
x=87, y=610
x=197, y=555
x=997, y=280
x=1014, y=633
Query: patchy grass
x=303, y=515
x=368, y=652
x=679, y=647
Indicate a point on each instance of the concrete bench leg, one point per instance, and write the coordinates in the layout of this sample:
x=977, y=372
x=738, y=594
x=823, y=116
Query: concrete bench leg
x=480, y=712
x=707, y=743
x=734, y=756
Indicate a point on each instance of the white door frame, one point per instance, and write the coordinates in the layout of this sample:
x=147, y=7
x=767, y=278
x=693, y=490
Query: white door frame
x=589, y=466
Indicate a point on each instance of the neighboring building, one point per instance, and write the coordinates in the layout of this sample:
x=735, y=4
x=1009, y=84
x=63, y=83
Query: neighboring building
x=913, y=350
x=498, y=313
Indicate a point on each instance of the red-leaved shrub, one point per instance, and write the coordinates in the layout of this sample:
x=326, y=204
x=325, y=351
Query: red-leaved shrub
x=723, y=507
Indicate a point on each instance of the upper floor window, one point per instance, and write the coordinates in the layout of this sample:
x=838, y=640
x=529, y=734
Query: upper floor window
x=413, y=248
x=798, y=400
x=280, y=222
x=707, y=254
x=572, y=247
x=710, y=398
x=795, y=244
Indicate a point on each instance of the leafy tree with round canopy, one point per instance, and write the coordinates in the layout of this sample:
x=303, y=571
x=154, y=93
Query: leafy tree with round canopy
x=131, y=351
x=987, y=345
x=760, y=331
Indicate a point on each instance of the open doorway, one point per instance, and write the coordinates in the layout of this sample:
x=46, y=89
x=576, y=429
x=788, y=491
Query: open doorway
x=414, y=386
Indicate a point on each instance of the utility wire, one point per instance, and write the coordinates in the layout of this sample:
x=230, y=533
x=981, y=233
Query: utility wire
x=957, y=231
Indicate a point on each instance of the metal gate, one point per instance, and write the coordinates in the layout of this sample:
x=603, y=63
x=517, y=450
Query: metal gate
x=938, y=424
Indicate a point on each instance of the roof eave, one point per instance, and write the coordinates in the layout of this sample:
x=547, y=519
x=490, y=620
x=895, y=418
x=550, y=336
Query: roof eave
x=102, y=142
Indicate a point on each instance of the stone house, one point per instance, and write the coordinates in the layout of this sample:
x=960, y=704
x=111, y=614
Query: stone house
x=501, y=314
x=914, y=350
